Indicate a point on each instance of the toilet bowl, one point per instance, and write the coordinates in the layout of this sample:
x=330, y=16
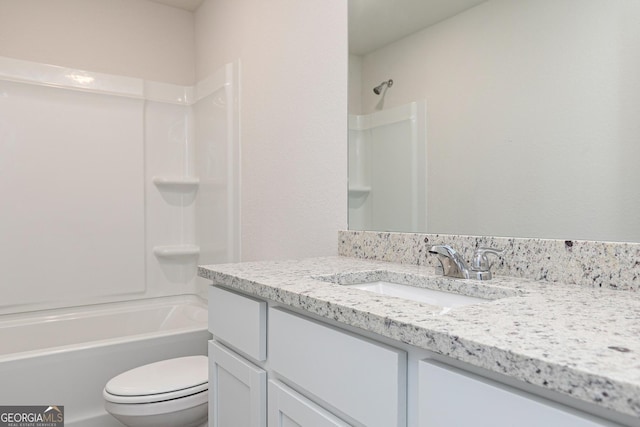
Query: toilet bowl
x=169, y=393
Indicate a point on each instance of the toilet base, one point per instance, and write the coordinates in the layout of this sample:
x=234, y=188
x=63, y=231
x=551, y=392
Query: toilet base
x=163, y=414
x=196, y=418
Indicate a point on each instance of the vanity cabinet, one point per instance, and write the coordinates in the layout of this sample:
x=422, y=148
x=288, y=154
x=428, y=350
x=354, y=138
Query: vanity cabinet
x=271, y=366
x=237, y=384
x=454, y=398
x=318, y=374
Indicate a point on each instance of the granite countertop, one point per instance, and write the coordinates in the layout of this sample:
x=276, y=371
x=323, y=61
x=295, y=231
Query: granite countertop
x=579, y=341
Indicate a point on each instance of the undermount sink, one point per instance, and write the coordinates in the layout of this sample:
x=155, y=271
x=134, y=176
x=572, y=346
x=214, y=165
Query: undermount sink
x=445, y=293
x=446, y=300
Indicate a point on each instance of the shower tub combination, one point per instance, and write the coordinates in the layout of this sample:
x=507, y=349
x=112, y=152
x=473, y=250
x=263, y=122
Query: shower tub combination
x=66, y=356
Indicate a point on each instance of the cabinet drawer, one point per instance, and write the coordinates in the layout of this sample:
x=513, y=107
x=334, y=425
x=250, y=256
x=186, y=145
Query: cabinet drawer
x=453, y=398
x=361, y=378
x=239, y=321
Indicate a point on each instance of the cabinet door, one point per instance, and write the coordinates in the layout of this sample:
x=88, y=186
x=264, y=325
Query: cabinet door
x=449, y=397
x=290, y=409
x=237, y=390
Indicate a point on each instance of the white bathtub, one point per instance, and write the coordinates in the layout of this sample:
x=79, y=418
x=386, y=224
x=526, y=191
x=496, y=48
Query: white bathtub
x=66, y=356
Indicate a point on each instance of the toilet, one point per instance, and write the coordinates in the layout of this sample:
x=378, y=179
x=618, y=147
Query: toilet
x=169, y=393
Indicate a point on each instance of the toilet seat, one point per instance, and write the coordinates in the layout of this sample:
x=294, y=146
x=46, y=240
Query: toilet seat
x=160, y=381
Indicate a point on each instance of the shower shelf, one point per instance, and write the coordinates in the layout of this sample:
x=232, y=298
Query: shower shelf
x=181, y=183
x=359, y=190
x=176, y=251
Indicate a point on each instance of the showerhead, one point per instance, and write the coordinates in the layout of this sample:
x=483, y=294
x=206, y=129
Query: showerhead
x=378, y=89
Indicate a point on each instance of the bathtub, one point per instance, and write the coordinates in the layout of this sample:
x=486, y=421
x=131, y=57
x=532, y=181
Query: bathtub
x=66, y=356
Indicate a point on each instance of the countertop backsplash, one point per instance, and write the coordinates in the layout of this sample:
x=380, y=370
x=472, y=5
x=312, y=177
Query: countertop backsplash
x=587, y=263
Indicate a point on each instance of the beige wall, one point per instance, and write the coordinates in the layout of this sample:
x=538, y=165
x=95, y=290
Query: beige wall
x=135, y=38
x=293, y=57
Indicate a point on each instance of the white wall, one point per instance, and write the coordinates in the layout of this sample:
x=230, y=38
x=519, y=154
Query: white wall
x=355, y=84
x=136, y=38
x=550, y=87
x=293, y=57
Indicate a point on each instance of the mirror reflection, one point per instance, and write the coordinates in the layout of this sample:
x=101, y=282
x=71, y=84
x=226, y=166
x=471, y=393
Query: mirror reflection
x=504, y=118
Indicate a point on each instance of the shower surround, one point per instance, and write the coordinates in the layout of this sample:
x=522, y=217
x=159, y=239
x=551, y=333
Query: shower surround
x=112, y=174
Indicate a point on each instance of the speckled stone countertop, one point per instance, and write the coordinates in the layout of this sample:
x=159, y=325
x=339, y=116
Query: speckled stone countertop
x=579, y=341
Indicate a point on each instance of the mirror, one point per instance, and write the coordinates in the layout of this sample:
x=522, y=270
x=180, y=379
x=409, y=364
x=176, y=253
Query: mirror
x=504, y=118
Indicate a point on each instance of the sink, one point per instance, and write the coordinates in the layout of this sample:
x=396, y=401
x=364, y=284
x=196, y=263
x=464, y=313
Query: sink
x=446, y=300
x=446, y=293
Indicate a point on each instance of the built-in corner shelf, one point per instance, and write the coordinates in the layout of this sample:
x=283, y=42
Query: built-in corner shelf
x=176, y=252
x=359, y=190
x=176, y=183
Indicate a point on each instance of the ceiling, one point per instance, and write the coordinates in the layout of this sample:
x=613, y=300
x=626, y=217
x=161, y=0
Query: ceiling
x=190, y=5
x=376, y=23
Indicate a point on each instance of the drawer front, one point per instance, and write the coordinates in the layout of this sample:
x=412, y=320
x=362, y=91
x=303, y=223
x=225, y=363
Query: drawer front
x=239, y=321
x=453, y=398
x=361, y=378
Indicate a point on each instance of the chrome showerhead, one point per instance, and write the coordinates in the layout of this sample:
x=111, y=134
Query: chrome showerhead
x=378, y=89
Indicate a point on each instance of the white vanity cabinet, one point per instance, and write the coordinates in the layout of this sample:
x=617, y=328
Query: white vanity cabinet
x=270, y=366
x=454, y=398
x=237, y=385
x=319, y=375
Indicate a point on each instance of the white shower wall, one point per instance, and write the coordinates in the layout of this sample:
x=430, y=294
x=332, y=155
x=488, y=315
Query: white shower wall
x=100, y=184
x=72, y=218
x=216, y=119
x=170, y=206
x=388, y=169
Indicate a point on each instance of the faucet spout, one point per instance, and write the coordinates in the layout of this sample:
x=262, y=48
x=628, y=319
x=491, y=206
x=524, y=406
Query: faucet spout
x=453, y=265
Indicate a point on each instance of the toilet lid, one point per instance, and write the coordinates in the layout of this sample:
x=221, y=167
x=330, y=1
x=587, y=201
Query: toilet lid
x=173, y=377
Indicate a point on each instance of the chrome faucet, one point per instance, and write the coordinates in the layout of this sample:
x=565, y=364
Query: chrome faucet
x=453, y=265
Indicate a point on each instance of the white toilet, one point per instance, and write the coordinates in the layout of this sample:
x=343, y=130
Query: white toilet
x=169, y=393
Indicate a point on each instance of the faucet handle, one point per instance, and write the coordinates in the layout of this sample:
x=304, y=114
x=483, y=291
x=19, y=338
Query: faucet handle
x=481, y=262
